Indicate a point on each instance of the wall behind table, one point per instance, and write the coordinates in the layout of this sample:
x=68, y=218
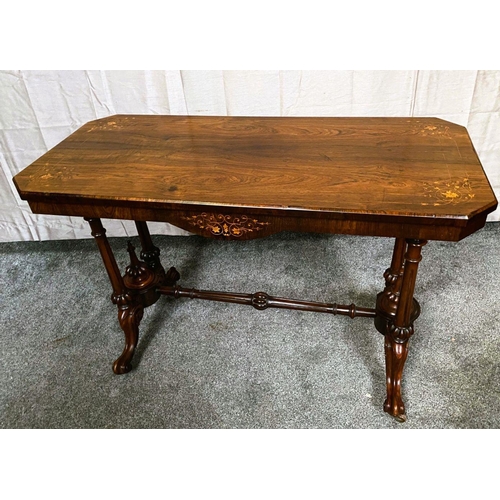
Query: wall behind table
x=38, y=109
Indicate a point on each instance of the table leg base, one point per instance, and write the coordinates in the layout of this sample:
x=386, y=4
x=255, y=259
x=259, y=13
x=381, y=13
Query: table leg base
x=384, y=319
x=145, y=281
x=401, y=418
x=396, y=311
x=395, y=357
x=136, y=289
x=129, y=318
x=142, y=281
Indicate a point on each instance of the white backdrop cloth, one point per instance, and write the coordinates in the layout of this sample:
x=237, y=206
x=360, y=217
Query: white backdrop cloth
x=38, y=109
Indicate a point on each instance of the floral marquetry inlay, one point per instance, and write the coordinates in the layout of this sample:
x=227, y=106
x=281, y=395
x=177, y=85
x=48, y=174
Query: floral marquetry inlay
x=225, y=225
x=448, y=192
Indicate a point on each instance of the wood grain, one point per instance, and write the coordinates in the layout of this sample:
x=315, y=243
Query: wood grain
x=420, y=171
x=414, y=179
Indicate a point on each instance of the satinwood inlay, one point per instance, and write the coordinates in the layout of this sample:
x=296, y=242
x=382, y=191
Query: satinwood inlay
x=353, y=172
x=225, y=225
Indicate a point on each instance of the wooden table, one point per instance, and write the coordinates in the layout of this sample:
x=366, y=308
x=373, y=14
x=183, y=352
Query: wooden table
x=238, y=178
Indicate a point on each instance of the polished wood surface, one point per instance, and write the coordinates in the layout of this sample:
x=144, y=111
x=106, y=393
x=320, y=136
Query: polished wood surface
x=413, y=179
x=347, y=175
x=399, y=328
x=262, y=301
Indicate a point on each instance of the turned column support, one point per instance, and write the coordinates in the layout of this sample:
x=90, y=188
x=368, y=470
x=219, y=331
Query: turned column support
x=396, y=311
x=137, y=289
x=387, y=301
x=150, y=254
x=130, y=309
x=99, y=233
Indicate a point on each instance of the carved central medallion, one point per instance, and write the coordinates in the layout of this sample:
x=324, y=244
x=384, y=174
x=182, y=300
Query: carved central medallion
x=225, y=225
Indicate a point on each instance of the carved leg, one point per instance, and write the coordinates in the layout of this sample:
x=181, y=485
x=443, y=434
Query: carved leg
x=129, y=317
x=387, y=301
x=150, y=254
x=130, y=308
x=396, y=353
x=396, y=311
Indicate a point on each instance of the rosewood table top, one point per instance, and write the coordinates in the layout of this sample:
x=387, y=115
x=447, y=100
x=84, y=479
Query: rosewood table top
x=411, y=177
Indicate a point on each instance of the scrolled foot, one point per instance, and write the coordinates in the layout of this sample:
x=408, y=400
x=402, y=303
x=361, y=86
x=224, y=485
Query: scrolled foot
x=121, y=366
x=129, y=318
x=396, y=351
x=396, y=410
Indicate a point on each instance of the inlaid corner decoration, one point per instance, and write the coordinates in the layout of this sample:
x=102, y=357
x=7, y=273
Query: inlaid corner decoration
x=225, y=225
x=438, y=130
x=448, y=192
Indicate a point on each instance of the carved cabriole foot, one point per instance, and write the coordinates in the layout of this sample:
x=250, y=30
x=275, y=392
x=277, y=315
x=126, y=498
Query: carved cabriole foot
x=137, y=288
x=129, y=308
x=396, y=310
x=396, y=351
x=130, y=312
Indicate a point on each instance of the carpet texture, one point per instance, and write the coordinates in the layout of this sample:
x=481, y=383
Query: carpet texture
x=205, y=364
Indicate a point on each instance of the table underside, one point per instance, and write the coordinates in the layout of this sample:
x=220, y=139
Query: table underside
x=145, y=281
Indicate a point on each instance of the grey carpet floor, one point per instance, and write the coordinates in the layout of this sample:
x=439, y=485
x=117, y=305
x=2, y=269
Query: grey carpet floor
x=215, y=365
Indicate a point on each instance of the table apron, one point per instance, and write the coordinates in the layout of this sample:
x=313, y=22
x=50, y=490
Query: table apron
x=249, y=223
